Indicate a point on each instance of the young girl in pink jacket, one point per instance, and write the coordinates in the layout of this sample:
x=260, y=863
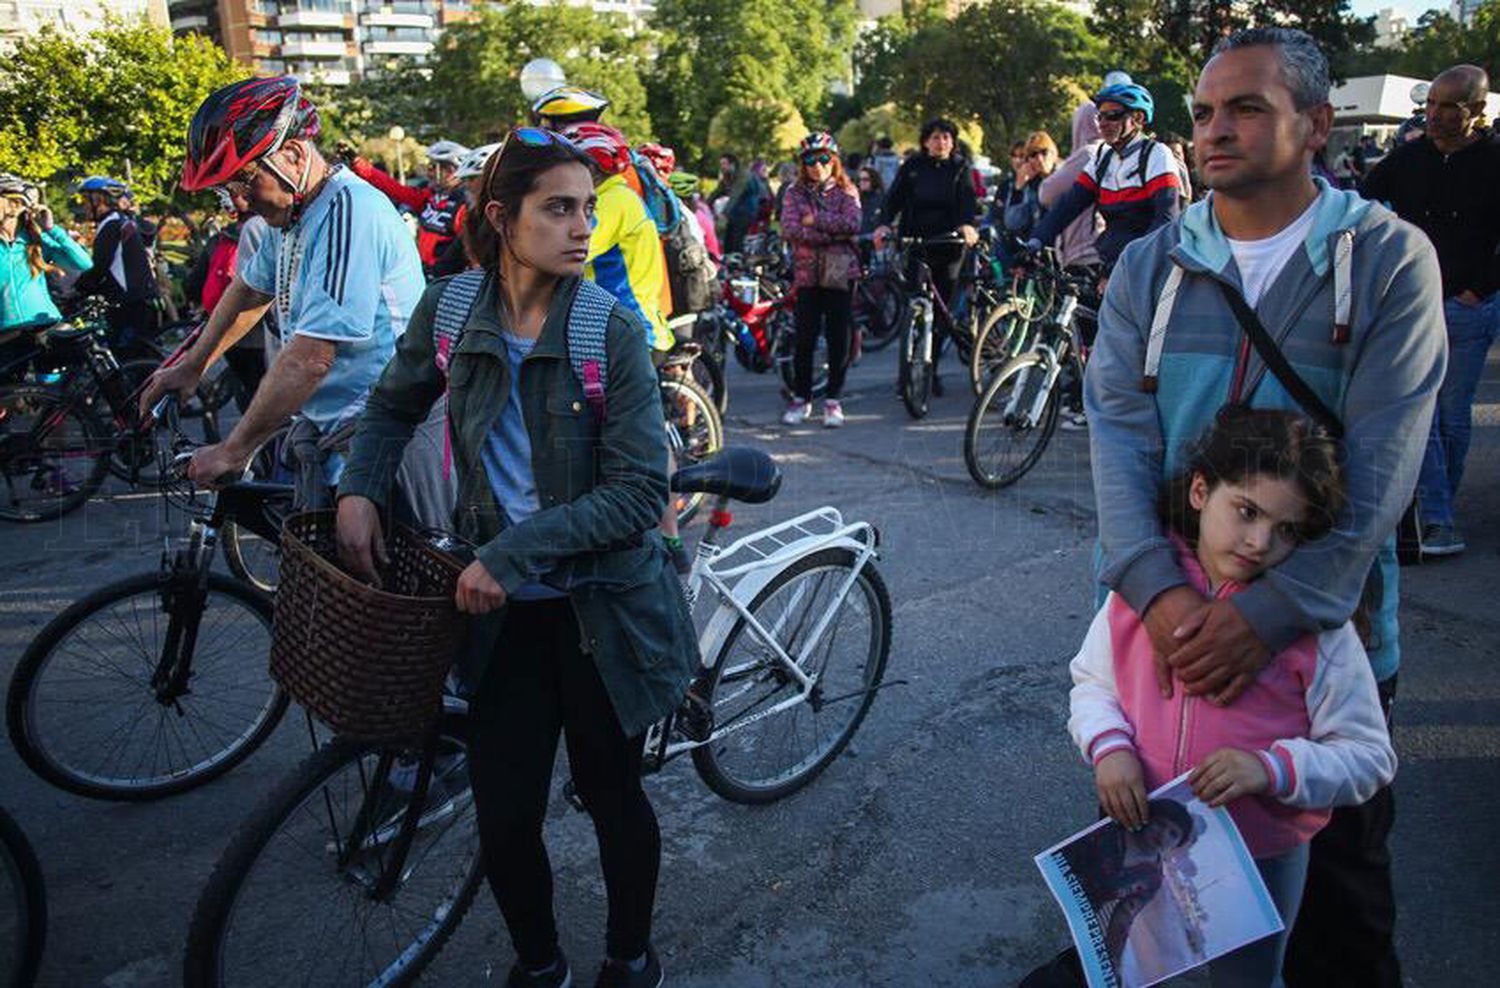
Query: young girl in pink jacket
x=1306, y=736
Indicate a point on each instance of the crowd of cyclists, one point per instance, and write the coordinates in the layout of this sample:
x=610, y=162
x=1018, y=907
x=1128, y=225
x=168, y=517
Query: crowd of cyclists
x=513, y=324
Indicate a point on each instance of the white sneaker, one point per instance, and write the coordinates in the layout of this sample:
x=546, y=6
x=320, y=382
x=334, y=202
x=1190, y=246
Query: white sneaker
x=796, y=413
x=833, y=414
x=1074, y=421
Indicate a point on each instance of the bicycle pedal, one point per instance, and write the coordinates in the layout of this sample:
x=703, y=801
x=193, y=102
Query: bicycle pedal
x=694, y=719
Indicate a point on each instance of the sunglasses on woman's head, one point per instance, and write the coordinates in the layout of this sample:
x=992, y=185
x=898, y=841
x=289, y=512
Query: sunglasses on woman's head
x=817, y=159
x=1113, y=116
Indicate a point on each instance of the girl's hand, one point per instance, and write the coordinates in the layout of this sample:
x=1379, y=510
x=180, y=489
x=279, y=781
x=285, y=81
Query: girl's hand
x=477, y=591
x=1122, y=788
x=1228, y=774
x=43, y=216
x=360, y=541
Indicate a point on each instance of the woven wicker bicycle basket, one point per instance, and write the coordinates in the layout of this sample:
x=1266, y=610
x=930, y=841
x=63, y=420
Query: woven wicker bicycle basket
x=370, y=663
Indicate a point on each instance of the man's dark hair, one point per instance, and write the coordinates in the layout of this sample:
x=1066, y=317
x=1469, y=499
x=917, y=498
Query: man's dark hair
x=884, y=143
x=1304, y=67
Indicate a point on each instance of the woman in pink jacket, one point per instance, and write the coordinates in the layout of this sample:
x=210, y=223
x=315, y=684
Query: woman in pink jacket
x=819, y=218
x=1306, y=736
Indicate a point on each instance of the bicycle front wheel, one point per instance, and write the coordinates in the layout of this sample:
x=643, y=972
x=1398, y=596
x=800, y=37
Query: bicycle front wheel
x=1011, y=423
x=23, y=908
x=769, y=740
x=52, y=454
x=694, y=432
x=915, y=366
x=93, y=709
x=315, y=889
x=1002, y=337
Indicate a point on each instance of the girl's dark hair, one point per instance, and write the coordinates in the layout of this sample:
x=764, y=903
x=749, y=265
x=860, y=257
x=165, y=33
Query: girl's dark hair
x=934, y=125
x=877, y=184
x=1245, y=442
x=509, y=176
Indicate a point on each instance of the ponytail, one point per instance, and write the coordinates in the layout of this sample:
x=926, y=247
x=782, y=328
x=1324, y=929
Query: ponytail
x=36, y=257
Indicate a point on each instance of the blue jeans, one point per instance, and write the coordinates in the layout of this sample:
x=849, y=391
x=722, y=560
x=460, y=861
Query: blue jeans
x=1471, y=330
x=1258, y=964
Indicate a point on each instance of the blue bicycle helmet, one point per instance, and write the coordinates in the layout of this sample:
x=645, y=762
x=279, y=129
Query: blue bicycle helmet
x=104, y=184
x=1130, y=96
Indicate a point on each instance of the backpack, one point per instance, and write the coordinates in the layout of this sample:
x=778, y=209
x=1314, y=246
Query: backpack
x=691, y=275
x=1107, y=153
x=588, y=319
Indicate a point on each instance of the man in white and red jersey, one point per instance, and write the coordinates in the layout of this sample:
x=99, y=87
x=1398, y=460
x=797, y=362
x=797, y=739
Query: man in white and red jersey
x=437, y=206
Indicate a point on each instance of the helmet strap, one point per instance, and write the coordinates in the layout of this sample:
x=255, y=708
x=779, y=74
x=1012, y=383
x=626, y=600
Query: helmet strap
x=298, y=188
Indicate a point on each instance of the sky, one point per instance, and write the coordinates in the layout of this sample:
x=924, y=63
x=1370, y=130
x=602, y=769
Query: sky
x=1411, y=8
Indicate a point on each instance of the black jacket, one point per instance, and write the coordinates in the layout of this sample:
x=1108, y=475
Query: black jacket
x=931, y=197
x=1455, y=199
x=126, y=237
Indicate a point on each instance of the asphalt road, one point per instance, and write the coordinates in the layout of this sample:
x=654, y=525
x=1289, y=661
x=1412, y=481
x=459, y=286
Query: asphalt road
x=909, y=862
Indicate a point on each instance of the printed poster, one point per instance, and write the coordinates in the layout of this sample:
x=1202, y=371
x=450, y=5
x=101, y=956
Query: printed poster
x=1144, y=907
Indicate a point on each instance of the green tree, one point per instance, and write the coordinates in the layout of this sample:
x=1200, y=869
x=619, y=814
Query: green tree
x=1164, y=43
x=748, y=64
x=116, y=101
x=1439, y=42
x=1025, y=65
x=473, y=89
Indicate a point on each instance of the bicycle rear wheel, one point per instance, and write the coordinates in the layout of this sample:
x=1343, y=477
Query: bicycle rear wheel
x=297, y=898
x=1011, y=423
x=53, y=455
x=694, y=432
x=85, y=715
x=877, y=310
x=756, y=756
x=23, y=907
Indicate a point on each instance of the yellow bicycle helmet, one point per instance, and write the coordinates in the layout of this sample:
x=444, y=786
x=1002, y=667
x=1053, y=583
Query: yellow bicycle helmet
x=565, y=105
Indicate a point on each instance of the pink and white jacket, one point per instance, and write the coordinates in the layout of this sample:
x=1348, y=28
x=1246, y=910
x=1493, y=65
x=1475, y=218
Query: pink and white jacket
x=1312, y=716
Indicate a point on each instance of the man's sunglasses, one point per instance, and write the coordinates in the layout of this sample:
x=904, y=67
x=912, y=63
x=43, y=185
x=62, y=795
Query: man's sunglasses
x=1113, y=116
x=817, y=159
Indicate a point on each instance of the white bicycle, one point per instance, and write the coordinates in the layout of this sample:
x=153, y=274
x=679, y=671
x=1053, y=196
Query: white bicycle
x=357, y=868
x=796, y=640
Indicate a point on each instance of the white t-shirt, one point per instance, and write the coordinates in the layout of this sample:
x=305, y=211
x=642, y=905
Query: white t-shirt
x=1260, y=261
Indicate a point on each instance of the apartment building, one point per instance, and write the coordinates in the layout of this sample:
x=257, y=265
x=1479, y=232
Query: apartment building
x=336, y=41
x=19, y=18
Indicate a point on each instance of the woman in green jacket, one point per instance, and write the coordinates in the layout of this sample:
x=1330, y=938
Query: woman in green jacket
x=578, y=625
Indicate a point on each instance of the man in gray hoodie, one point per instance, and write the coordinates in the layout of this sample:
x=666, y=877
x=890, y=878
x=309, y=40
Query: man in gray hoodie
x=1352, y=296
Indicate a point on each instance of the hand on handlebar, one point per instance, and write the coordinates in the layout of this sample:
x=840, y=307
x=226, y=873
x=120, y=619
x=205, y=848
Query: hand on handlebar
x=179, y=379
x=217, y=465
x=970, y=235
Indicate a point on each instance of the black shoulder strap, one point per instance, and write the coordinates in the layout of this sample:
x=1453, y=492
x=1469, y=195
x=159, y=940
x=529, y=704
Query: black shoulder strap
x=1144, y=160
x=1278, y=365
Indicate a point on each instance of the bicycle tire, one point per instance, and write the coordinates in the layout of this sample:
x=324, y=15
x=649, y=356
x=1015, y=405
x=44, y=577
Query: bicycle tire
x=999, y=341
x=877, y=309
x=22, y=460
x=991, y=411
x=915, y=373
x=250, y=558
x=693, y=437
x=712, y=760
x=247, y=862
x=52, y=648
x=20, y=870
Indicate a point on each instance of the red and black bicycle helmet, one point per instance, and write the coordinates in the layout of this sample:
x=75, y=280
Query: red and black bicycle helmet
x=241, y=123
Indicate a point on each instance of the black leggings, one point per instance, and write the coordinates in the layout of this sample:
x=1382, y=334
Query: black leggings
x=821, y=311
x=538, y=684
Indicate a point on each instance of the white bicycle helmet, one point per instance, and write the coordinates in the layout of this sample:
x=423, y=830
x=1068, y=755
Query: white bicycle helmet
x=472, y=166
x=447, y=152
